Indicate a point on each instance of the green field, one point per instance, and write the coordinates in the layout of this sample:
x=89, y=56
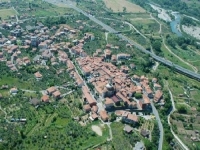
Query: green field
x=6, y=13
x=174, y=59
x=50, y=12
x=121, y=140
x=191, y=55
x=40, y=8
x=49, y=126
x=146, y=26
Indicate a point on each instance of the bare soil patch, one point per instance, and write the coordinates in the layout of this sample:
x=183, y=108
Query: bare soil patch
x=119, y=5
x=192, y=31
x=97, y=130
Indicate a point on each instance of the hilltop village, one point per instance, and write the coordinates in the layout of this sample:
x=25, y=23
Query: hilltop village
x=99, y=74
x=105, y=87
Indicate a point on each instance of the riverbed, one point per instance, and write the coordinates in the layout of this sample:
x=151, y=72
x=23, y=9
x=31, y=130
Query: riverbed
x=163, y=15
x=175, y=24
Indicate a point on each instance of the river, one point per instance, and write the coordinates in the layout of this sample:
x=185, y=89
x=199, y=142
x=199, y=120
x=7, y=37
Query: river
x=163, y=14
x=175, y=24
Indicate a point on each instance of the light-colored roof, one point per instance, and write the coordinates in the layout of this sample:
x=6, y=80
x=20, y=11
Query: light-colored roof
x=51, y=89
x=87, y=107
x=109, y=101
x=38, y=75
x=132, y=117
x=56, y=93
x=45, y=98
x=104, y=115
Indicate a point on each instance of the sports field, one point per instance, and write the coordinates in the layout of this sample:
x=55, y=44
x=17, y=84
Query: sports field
x=119, y=5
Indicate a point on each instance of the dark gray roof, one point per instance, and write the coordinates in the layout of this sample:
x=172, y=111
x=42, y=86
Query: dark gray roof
x=35, y=101
x=128, y=128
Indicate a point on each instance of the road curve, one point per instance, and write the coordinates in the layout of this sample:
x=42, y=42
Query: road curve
x=169, y=123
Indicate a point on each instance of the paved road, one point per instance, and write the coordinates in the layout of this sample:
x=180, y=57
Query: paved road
x=108, y=28
x=155, y=66
x=133, y=27
x=63, y=95
x=155, y=112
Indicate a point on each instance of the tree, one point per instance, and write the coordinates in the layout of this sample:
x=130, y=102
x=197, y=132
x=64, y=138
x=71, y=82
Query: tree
x=124, y=9
x=157, y=45
x=182, y=109
x=171, y=42
x=149, y=145
x=168, y=137
x=184, y=46
x=138, y=95
x=113, y=116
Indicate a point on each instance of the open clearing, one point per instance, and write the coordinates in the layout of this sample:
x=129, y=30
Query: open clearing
x=162, y=13
x=192, y=31
x=97, y=130
x=119, y=5
x=5, y=13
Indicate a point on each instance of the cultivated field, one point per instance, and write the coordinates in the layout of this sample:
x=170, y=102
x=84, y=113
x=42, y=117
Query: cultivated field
x=119, y=5
x=5, y=13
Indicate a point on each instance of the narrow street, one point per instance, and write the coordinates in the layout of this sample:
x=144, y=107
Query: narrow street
x=156, y=114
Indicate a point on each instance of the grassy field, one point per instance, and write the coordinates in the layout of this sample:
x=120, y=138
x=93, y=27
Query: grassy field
x=40, y=8
x=51, y=12
x=52, y=121
x=191, y=55
x=137, y=16
x=119, y=5
x=6, y=13
x=14, y=82
x=121, y=140
x=172, y=58
x=146, y=26
x=185, y=127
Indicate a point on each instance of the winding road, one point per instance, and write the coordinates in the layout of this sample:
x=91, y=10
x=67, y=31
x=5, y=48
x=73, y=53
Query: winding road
x=160, y=32
x=155, y=112
x=133, y=27
x=169, y=123
x=194, y=68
